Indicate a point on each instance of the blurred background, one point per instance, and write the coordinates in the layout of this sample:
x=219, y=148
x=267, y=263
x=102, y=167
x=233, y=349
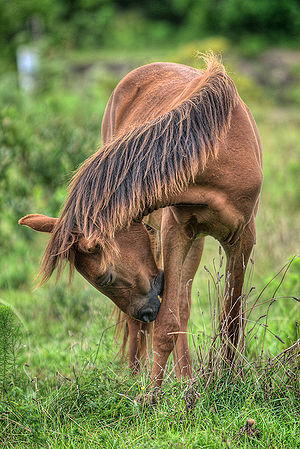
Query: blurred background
x=59, y=62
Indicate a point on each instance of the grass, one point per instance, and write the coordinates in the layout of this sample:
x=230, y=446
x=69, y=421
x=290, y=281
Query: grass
x=95, y=407
x=72, y=391
x=83, y=415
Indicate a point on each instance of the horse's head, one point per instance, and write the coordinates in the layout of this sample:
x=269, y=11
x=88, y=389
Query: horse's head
x=133, y=282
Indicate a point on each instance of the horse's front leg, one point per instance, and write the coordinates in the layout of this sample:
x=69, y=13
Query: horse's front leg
x=232, y=316
x=181, y=353
x=175, y=245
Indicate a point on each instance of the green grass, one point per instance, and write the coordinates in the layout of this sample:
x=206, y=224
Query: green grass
x=83, y=414
x=72, y=392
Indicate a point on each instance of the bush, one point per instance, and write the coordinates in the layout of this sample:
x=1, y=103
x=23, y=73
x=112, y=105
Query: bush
x=94, y=24
x=42, y=140
x=238, y=18
x=10, y=342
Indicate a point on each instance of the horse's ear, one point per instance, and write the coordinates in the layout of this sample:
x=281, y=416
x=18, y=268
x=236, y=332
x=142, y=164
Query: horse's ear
x=40, y=223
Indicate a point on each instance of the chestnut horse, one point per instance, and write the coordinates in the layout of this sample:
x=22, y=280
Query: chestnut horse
x=177, y=139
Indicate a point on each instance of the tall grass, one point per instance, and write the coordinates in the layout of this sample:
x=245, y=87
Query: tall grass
x=10, y=342
x=91, y=401
x=253, y=358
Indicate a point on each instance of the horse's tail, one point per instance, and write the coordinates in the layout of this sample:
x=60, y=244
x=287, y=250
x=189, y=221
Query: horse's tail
x=121, y=329
x=144, y=337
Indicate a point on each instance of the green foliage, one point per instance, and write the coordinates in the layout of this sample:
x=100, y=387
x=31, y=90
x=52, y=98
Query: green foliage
x=33, y=137
x=87, y=24
x=251, y=46
x=64, y=23
x=188, y=53
x=131, y=29
x=10, y=341
x=242, y=18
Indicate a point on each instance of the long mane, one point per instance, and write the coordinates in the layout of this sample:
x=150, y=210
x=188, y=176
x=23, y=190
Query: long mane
x=143, y=168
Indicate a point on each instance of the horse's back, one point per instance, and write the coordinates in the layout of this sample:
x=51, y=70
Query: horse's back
x=145, y=94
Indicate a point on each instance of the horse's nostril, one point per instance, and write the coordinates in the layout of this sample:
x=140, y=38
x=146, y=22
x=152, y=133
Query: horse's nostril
x=148, y=315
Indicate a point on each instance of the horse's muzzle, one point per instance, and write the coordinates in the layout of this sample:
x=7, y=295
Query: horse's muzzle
x=149, y=312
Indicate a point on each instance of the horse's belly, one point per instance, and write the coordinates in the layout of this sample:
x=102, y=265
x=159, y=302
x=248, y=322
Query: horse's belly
x=224, y=224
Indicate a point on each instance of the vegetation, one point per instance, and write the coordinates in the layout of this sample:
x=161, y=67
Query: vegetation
x=126, y=23
x=10, y=337
x=73, y=393
x=61, y=384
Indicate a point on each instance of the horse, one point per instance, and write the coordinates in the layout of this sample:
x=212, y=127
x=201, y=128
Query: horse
x=178, y=141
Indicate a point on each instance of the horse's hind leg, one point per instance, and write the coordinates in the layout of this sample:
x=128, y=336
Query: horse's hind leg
x=140, y=335
x=181, y=353
x=232, y=317
x=133, y=351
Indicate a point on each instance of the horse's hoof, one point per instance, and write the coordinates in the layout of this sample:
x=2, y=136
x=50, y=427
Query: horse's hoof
x=150, y=398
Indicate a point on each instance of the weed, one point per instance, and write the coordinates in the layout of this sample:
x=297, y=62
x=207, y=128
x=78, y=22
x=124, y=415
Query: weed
x=10, y=342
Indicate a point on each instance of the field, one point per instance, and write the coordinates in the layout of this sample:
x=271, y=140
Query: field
x=63, y=385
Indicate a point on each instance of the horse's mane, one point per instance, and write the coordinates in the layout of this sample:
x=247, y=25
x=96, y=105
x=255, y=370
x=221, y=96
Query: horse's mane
x=143, y=167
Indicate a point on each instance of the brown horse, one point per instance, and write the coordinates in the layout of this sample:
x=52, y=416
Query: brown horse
x=177, y=139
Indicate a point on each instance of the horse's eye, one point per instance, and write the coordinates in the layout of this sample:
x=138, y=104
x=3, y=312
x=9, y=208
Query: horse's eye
x=107, y=279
